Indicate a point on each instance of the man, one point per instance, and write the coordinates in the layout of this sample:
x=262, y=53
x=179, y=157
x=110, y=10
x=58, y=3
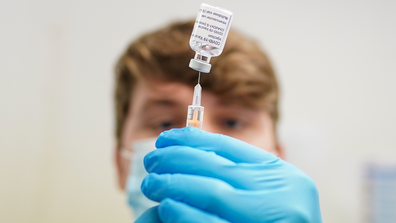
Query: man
x=244, y=179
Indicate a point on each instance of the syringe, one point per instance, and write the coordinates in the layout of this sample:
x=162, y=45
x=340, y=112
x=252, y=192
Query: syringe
x=205, y=49
x=196, y=111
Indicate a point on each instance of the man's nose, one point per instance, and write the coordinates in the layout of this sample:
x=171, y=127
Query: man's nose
x=209, y=127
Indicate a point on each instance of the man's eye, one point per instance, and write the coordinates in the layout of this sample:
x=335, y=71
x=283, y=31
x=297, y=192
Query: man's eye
x=166, y=125
x=232, y=123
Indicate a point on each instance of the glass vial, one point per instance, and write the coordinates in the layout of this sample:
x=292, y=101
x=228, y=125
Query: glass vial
x=209, y=35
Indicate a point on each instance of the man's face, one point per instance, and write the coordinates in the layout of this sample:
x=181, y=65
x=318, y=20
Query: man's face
x=159, y=106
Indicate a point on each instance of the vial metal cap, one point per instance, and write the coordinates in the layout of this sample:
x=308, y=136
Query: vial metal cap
x=200, y=65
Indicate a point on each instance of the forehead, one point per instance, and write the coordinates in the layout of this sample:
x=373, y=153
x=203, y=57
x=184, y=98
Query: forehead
x=160, y=89
x=148, y=93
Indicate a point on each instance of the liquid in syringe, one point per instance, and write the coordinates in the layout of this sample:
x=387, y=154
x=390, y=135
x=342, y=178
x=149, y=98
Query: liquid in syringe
x=196, y=111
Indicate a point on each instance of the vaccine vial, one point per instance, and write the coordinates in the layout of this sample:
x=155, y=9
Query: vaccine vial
x=209, y=35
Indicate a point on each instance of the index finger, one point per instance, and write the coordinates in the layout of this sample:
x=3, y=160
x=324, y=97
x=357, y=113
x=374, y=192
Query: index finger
x=225, y=146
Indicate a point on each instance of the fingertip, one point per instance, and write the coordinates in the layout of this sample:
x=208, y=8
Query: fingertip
x=162, y=138
x=149, y=160
x=165, y=210
x=146, y=184
x=153, y=186
x=177, y=136
x=165, y=206
x=170, y=210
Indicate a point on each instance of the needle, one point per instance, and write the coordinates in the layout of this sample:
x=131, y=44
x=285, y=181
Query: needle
x=199, y=77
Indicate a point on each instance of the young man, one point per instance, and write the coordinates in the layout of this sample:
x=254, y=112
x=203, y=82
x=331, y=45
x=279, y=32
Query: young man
x=154, y=86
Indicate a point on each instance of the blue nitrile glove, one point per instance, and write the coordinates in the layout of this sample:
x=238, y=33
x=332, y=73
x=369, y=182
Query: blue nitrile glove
x=196, y=174
x=172, y=211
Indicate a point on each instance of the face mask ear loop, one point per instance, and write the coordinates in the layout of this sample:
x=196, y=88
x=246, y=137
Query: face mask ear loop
x=126, y=154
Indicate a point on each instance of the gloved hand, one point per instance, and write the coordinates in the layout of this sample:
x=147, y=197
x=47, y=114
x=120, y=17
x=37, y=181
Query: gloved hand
x=172, y=211
x=204, y=177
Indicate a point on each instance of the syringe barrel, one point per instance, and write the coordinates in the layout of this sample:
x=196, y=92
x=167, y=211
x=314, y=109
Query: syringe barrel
x=195, y=116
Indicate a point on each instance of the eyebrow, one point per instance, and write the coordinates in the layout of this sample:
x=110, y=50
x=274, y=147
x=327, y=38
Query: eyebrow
x=159, y=103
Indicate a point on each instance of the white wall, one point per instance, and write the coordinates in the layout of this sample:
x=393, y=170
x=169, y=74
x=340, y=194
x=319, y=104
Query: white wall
x=335, y=60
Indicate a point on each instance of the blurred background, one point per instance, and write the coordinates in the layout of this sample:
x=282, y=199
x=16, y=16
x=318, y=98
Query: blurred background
x=336, y=66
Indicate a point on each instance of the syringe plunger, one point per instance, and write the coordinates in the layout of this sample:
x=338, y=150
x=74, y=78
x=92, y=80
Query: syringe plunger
x=195, y=111
x=195, y=116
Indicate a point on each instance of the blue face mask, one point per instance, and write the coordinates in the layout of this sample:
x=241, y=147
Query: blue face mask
x=136, y=199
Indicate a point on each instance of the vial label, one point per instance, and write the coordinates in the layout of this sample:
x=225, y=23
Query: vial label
x=210, y=30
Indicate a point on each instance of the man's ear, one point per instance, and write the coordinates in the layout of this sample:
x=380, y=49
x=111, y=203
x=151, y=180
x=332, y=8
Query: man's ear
x=121, y=168
x=280, y=150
